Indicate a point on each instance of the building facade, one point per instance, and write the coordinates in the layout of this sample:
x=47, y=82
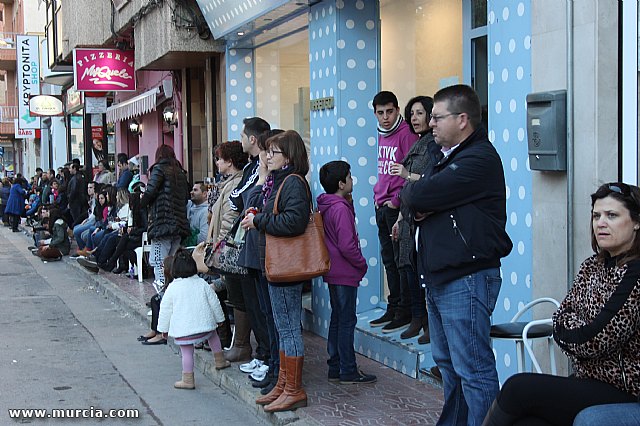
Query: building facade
x=314, y=66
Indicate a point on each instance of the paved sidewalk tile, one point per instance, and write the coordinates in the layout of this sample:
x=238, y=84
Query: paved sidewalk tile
x=395, y=399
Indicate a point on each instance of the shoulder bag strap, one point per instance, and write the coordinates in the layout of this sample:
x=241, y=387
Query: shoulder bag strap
x=275, y=204
x=208, y=240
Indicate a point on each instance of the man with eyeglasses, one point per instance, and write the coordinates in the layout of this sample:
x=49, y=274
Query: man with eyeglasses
x=460, y=212
x=394, y=141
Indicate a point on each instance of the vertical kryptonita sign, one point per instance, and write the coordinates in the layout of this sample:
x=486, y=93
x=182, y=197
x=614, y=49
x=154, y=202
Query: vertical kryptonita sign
x=28, y=69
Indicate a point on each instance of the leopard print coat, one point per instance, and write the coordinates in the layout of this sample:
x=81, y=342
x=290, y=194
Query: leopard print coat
x=598, y=323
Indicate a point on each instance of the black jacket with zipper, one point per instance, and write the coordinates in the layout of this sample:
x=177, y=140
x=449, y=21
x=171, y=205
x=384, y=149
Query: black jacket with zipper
x=464, y=198
x=294, y=207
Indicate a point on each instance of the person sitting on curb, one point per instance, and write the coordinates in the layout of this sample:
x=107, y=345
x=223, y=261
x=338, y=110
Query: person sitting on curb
x=58, y=245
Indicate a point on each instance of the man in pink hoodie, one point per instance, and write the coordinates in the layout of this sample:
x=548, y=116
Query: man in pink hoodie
x=348, y=266
x=394, y=141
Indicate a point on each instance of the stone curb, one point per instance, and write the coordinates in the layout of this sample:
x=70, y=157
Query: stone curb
x=230, y=379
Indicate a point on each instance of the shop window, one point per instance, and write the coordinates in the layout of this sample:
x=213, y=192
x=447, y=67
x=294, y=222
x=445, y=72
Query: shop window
x=282, y=84
x=421, y=46
x=76, y=134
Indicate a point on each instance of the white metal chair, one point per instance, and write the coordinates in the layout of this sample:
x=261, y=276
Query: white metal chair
x=140, y=251
x=522, y=332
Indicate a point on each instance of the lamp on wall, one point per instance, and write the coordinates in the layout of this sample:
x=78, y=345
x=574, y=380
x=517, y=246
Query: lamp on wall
x=134, y=127
x=169, y=116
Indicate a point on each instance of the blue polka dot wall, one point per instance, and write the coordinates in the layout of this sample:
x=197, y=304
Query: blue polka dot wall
x=240, y=93
x=343, y=58
x=509, y=31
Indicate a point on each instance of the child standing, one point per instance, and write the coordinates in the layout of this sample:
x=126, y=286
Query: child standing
x=190, y=312
x=348, y=267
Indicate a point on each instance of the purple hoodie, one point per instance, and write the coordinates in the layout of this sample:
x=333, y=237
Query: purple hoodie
x=348, y=266
x=392, y=148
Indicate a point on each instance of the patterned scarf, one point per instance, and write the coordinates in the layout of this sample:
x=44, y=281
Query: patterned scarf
x=267, y=188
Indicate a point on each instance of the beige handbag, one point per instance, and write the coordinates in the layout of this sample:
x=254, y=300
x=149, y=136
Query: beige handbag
x=201, y=249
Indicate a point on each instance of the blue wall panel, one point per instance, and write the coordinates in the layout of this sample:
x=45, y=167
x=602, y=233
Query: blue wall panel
x=240, y=93
x=509, y=54
x=343, y=57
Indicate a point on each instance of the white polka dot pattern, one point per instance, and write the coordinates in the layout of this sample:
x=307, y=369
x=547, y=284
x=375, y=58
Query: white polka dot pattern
x=343, y=64
x=240, y=102
x=509, y=82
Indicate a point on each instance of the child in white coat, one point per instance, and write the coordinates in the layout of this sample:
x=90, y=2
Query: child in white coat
x=190, y=312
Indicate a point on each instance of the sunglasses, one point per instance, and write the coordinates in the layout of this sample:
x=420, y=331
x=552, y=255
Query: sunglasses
x=620, y=188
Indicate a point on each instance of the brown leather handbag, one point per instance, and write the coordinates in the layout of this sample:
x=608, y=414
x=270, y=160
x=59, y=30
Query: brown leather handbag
x=299, y=258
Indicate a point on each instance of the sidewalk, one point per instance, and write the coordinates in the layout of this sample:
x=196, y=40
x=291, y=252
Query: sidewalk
x=395, y=399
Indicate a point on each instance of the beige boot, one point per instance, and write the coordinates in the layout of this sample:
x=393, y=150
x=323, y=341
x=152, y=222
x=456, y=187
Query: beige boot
x=221, y=363
x=187, y=382
x=241, y=350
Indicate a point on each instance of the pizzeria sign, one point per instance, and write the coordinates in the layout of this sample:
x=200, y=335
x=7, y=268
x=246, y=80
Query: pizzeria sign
x=104, y=70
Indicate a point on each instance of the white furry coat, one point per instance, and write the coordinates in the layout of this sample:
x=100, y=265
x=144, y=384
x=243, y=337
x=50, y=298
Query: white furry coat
x=189, y=306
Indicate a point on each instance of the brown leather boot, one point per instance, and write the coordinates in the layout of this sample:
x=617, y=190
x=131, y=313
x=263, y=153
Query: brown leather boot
x=280, y=384
x=241, y=350
x=293, y=396
x=220, y=362
x=187, y=382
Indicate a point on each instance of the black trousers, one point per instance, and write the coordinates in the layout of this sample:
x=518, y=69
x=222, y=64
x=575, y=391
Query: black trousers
x=251, y=305
x=14, y=220
x=541, y=399
x=399, y=300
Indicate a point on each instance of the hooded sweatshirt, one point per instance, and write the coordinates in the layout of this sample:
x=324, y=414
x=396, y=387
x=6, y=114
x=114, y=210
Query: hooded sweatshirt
x=198, y=215
x=393, y=147
x=348, y=266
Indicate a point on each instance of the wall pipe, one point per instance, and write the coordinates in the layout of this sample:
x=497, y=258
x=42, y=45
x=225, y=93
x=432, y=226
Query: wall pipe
x=570, y=151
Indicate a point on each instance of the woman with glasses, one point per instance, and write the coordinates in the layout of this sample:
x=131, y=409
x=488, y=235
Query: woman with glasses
x=286, y=155
x=597, y=325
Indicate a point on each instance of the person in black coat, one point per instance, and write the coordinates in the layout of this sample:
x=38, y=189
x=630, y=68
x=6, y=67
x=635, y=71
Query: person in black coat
x=286, y=156
x=166, y=199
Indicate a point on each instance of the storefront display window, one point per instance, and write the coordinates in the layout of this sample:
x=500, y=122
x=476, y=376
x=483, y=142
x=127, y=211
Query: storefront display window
x=421, y=46
x=282, y=83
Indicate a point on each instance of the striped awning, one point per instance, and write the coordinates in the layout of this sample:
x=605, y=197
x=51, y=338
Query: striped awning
x=134, y=107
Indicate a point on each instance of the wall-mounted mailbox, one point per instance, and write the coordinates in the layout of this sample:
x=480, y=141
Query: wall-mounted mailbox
x=547, y=130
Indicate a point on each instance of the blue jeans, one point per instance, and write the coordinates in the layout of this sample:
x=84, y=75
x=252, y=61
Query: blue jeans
x=79, y=229
x=97, y=237
x=342, y=356
x=611, y=414
x=286, y=304
x=459, y=324
x=264, y=299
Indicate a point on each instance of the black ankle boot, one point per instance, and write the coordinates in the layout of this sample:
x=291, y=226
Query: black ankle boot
x=414, y=328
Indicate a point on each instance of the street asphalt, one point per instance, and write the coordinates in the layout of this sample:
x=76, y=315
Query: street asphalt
x=66, y=346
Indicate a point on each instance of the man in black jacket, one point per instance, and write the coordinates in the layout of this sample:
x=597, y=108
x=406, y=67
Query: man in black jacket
x=77, y=195
x=241, y=289
x=460, y=209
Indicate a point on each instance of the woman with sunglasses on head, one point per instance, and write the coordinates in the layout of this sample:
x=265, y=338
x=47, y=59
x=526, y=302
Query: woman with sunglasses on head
x=597, y=325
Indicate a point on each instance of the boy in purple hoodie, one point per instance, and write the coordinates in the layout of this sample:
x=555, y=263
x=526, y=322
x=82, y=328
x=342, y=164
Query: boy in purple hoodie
x=348, y=266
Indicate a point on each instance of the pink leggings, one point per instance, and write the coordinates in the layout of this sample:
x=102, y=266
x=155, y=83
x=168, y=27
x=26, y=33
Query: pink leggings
x=187, y=352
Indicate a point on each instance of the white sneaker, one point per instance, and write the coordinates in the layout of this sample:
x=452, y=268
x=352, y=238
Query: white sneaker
x=252, y=366
x=157, y=285
x=260, y=373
